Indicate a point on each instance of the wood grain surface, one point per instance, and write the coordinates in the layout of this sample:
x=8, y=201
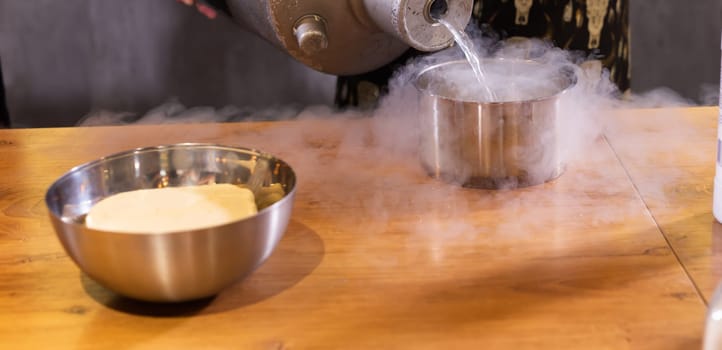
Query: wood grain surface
x=670, y=156
x=620, y=252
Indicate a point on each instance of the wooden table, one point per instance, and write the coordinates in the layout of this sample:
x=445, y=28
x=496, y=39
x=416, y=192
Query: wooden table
x=620, y=252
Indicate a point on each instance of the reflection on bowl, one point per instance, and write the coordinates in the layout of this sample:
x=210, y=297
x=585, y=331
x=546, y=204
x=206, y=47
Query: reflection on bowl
x=175, y=266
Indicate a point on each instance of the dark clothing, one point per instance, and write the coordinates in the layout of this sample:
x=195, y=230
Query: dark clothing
x=597, y=28
x=4, y=115
x=363, y=90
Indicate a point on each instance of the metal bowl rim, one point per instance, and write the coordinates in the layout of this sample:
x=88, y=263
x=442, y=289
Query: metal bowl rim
x=83, y=166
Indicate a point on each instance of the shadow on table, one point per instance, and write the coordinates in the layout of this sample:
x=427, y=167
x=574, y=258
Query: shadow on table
x=298, y=253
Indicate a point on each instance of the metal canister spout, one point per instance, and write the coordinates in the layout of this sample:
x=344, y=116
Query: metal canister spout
x=415, y=21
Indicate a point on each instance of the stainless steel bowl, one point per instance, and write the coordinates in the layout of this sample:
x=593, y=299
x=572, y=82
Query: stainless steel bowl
x=507, y=143
x=177, y=266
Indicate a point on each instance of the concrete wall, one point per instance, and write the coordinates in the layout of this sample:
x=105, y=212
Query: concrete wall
x=64, y=58
x=676, y=44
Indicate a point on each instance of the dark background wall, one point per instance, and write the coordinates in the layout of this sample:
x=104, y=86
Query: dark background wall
x=676, y=44
x=64, y=58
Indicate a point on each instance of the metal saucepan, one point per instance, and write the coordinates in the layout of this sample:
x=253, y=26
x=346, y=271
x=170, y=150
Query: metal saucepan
x=509, y=142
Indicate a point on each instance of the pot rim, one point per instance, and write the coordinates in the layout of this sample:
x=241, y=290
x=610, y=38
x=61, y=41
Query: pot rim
x=566, y=70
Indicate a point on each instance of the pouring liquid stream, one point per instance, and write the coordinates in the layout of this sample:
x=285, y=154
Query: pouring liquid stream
x=467, y=46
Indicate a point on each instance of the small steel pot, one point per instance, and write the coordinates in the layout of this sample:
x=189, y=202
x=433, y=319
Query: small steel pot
x=509, y=143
